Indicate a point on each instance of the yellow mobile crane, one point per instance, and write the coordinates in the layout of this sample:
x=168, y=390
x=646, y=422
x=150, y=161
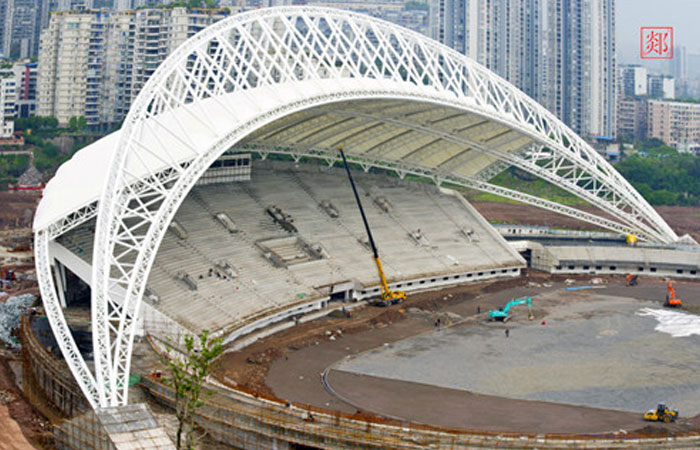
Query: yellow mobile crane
x=388, y=297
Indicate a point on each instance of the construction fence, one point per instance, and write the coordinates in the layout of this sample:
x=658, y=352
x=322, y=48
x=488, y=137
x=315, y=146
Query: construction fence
x=252, y=422
x=47, y=381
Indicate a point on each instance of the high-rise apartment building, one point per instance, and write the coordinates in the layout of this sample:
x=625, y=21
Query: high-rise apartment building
x=19, y=86
x=603, y=68
x=559, y=52
x=661, y=86
x=21, y=22
x=581, y=65
x=94, y=63
x=632, y=118
x=21, y=28
x=7, y=93
x=678, y=65
x=503, y=35
x=633, y=81
x=73, y=5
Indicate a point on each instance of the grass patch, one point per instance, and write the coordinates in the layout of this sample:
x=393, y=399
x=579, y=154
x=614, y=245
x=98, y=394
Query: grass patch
x=537, y=187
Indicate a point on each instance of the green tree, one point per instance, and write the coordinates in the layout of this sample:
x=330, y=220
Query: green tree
x=73, y=123
x=188, y=375
x=81, y=123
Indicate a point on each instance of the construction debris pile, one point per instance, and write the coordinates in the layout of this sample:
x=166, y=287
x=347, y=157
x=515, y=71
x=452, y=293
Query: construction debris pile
x=10, y=313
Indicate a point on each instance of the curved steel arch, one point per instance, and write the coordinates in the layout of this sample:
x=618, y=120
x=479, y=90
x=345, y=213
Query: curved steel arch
x=290, y=59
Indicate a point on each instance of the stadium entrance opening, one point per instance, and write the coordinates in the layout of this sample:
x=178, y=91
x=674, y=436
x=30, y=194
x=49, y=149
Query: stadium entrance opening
x=342, y=291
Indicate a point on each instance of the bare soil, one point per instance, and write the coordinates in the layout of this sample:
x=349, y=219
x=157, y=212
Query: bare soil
x=34, y=426
x=17, y=209
x=682, y=219
x=289, y=365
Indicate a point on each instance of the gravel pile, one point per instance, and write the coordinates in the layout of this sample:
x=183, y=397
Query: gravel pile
x=10, y=313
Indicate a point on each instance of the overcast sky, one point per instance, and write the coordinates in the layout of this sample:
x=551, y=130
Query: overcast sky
x=682, y=15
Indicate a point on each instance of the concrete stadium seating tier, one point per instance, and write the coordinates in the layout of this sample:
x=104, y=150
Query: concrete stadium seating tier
x=456, y=245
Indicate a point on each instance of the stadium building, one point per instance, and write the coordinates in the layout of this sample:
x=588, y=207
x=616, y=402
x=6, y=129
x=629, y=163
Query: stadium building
x=221, y=205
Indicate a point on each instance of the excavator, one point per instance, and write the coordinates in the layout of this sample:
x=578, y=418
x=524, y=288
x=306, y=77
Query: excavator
x=501, y=314
x=387, y=296
x=671, y=300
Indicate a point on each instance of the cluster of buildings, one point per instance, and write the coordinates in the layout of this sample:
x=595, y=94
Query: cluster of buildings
x=647, y=109
x=93, y=62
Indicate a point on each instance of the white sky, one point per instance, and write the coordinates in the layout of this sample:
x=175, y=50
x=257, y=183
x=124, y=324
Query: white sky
x=682, y=15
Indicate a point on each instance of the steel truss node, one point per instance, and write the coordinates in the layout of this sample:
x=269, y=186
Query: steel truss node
x=259, y=67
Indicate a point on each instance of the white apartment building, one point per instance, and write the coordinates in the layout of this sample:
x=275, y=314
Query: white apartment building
x=18, y=84
x=94, y=63
x=633, y=81
x=7, y=94
x=661, y=86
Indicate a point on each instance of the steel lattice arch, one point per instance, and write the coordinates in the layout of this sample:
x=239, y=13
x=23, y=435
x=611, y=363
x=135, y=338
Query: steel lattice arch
x=300, y=81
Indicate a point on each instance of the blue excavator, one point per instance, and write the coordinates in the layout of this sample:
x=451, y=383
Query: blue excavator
x=501, y=314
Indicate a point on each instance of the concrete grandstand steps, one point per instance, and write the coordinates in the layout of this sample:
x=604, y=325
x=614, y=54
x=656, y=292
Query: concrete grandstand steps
x=261, y=289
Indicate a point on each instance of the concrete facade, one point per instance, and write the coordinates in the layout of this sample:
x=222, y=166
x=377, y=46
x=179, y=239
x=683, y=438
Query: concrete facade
x=661, y=86
x=94, y=63
x=7, y=91
x=633, y=81
x=675, y=123
x=649, y=262
x=632, y=118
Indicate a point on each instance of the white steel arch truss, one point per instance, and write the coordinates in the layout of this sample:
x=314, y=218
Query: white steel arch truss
x=250, y=70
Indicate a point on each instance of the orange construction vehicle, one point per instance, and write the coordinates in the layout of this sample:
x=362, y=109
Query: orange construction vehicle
x=671, y=300
x=632, y=280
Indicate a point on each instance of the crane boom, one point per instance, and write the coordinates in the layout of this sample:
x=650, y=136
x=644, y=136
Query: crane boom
x=387, y=295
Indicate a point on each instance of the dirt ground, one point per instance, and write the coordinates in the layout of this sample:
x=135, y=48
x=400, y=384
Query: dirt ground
x=681, y=218
x=34, y=426
x=17, y=209
x=289, y=365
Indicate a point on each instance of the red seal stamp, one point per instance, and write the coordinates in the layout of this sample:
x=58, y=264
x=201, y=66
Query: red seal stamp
x=656, y=42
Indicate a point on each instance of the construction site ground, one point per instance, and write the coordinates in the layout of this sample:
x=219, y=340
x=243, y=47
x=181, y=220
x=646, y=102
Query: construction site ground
x=290, y=364
x=16, y=413
x=17, y=209
x=683, y=219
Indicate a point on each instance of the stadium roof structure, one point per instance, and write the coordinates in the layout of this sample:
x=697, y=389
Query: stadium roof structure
x=300, y=81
